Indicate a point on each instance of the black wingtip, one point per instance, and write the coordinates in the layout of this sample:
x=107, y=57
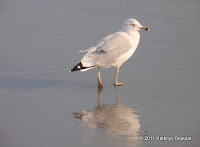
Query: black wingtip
x=79, y=66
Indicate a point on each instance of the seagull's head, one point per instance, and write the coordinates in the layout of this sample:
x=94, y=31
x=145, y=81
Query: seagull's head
x=133, y=25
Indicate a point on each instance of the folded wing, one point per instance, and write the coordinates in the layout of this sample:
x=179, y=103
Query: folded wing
x=119, y=40
x=107, y=51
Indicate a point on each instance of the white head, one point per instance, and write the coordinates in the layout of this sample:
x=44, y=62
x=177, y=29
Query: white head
x=131, y=25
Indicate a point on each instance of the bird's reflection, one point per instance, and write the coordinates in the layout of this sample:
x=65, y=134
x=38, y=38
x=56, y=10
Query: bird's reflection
x=114, y=119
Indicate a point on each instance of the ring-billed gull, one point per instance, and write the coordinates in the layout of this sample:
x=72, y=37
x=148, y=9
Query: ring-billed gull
x=112, y=50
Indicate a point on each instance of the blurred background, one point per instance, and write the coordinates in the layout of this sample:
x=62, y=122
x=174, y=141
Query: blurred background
x=42, y=104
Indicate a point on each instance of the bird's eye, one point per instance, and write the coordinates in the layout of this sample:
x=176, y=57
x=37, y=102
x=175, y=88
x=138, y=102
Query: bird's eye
x=133, y=24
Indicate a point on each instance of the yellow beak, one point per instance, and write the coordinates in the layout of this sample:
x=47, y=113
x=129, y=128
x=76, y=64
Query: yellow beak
x=144, y=28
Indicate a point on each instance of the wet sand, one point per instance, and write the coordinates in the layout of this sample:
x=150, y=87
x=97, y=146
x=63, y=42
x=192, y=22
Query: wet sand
x=42, y=104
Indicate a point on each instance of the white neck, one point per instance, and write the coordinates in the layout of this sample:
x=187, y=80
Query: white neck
x=133, y=33
x=129, y=30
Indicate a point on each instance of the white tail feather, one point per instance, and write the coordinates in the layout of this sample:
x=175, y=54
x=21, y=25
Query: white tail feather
x=83, y=70
x=88, y=50
x=82, y=51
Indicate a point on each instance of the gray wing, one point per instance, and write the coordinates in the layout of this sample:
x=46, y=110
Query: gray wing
x=116, y=41
x=107, y=51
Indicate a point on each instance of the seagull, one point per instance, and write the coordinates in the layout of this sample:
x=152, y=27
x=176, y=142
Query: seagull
x=113, y=50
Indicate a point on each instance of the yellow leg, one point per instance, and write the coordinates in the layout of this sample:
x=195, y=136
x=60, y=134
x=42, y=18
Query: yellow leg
x=116, y=81
x=99, y=78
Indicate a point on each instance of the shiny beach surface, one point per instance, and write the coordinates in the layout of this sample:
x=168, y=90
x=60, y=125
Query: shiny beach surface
x=42, y=104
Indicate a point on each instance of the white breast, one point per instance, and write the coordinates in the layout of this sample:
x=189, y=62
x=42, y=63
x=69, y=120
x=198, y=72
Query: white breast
x=135, y=38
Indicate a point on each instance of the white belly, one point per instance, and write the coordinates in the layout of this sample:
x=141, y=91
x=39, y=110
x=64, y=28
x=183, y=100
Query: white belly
x=123, y=58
